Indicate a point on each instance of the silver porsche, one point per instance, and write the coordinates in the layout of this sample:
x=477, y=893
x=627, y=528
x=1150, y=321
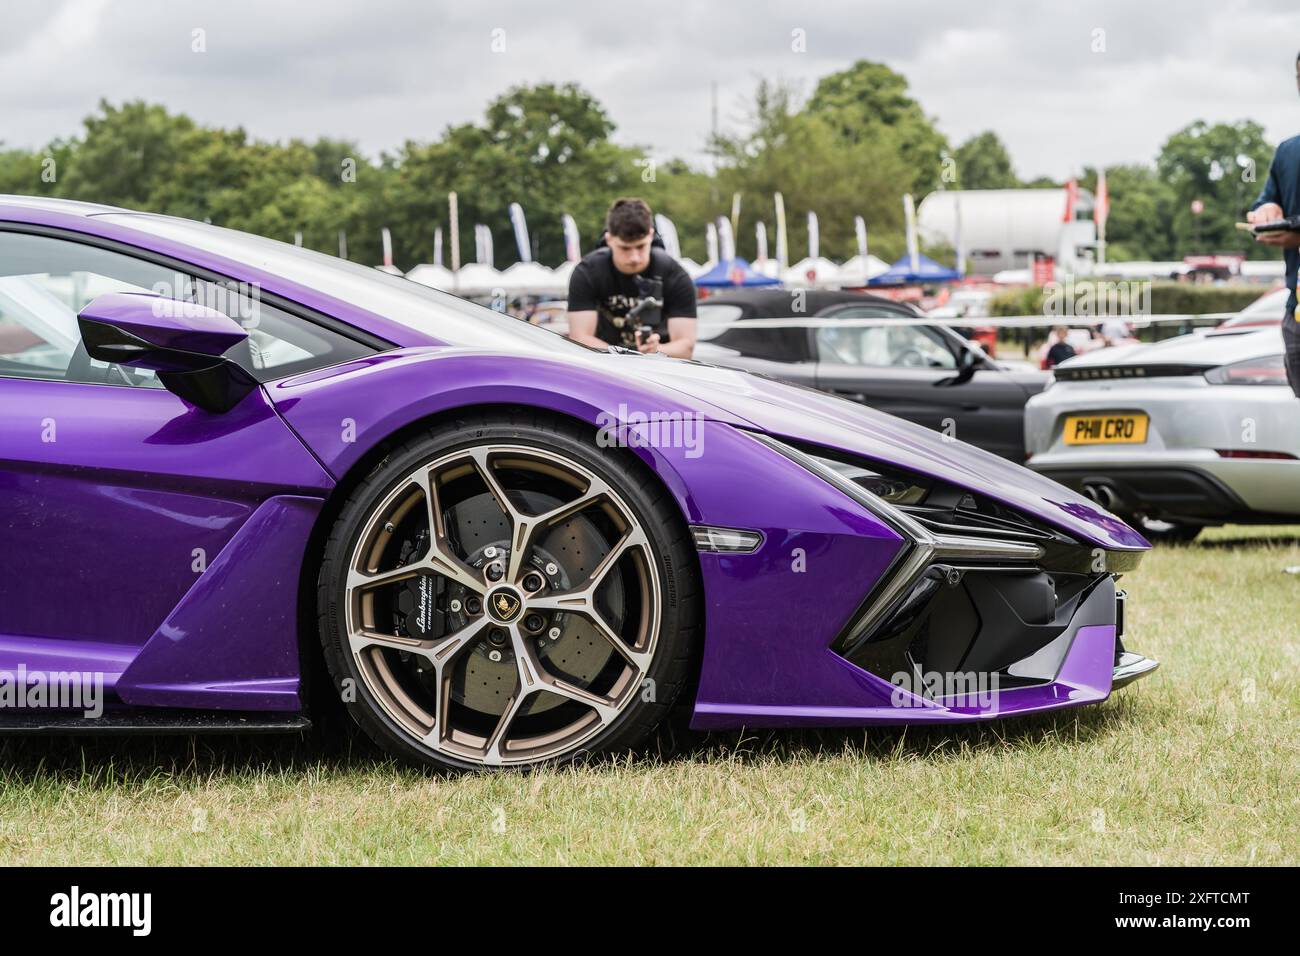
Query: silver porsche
x=1177, y=435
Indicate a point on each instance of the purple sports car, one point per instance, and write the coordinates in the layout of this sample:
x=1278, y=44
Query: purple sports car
x=227, y=461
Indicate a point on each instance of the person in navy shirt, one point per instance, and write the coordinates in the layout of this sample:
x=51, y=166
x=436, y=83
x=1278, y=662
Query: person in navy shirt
x=1279, y=198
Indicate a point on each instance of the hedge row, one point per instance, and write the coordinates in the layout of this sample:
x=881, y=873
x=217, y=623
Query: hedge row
x=1165, y=298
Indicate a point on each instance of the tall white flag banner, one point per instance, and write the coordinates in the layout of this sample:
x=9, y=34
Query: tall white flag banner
x=814, y=236
x=909, y=216
x=782, y=247
x=860, y=230
x=437, y=246
x=711, y=241
x=572, y=244
x=760, y=237
x=956, y=239
x=726, y=239
x=668, y=233
x=521, y=232
x=483, y=244
x=1100, y=213
x=387, y=238
x=453, y=224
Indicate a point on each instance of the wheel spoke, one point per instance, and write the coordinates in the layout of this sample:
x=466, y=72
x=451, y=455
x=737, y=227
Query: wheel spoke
x=638, y=660
x=441, y=559
x=606, y=709
x=441, y=653
x=366, y=580
x=363, y=638
x=582, y=600
x=525, y=528
x=530, y=682
x=634, y=538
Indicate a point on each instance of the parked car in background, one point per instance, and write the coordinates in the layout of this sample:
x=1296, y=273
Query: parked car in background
x=1263, y=312
x=926, y=374
x=1176, y=435
x=971, y=304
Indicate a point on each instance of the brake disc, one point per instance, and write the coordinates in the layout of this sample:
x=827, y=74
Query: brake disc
x=573, y=549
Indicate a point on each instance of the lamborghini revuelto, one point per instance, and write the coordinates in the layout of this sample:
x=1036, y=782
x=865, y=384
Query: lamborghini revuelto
x=227, y=461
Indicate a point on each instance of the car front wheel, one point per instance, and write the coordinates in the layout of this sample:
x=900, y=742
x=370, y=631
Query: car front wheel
x=499, y=592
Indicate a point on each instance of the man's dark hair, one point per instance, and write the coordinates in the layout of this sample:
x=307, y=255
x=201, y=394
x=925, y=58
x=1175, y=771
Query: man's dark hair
x=629, y=219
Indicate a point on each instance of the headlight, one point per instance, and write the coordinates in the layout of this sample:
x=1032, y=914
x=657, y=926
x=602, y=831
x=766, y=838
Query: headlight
x=897, y=489
x=1261, y=371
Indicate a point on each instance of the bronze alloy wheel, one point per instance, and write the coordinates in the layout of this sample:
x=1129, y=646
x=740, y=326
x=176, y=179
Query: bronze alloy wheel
x=502, y=605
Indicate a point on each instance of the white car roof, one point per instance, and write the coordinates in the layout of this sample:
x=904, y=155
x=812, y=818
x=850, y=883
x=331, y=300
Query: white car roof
x=70, y=207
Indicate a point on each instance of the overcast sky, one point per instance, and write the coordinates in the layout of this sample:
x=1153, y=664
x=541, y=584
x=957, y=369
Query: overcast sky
x=383, y=71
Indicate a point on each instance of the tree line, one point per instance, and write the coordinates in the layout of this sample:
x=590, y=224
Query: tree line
x=852, y=147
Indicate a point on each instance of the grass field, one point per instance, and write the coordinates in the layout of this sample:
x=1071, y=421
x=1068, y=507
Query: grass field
x=1197, y=764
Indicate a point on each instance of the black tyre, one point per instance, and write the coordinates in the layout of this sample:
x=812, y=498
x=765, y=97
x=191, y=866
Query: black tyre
x=500, y=592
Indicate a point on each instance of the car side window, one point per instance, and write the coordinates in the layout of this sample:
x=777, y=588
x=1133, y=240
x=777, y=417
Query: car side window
x=45, y=281
x=883, y=346
x=789, y=344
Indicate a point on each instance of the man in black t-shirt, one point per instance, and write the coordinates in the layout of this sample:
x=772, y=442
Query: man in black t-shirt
x=631, y=294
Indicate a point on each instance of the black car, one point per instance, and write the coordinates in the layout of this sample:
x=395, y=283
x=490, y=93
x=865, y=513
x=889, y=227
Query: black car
x=927, y=374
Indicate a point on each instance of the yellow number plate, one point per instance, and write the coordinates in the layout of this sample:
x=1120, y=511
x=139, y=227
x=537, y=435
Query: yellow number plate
x=1105, y=429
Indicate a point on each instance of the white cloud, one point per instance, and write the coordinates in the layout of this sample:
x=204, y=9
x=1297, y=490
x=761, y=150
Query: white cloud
x=386, y=71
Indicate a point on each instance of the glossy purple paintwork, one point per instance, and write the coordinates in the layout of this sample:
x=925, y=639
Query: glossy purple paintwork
x=167, y=323
x=97, y=552
x=232, y=641
x=113, y=494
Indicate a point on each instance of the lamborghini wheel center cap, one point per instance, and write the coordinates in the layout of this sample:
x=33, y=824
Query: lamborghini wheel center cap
x=504, y=605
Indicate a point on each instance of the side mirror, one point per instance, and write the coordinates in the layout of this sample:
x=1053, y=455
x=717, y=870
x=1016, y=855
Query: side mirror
x=967, y=364
x=183, y=342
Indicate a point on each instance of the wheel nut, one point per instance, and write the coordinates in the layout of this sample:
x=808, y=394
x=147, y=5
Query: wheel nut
x=494, y=657
x=533, y=581
x=473, y=605
x=497, y=636
x=553, y=633
x=534, y=622
x=494, y=572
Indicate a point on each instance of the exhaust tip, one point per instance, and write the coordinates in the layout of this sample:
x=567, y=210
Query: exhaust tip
x=1102, y=494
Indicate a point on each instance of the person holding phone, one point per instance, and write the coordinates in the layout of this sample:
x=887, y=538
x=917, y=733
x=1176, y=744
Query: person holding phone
x=1280, y=198
x=630, y=293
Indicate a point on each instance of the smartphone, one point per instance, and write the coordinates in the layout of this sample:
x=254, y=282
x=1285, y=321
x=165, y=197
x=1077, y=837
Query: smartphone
x=1289, y=224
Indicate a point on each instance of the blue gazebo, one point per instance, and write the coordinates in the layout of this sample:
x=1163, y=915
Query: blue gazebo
x=733, y=274
x=927, y=270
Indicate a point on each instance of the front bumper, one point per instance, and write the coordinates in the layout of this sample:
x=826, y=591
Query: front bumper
x=987, y=618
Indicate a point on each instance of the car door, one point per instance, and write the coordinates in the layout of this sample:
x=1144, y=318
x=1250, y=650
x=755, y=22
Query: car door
x=117, y=494
x=911, y=371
